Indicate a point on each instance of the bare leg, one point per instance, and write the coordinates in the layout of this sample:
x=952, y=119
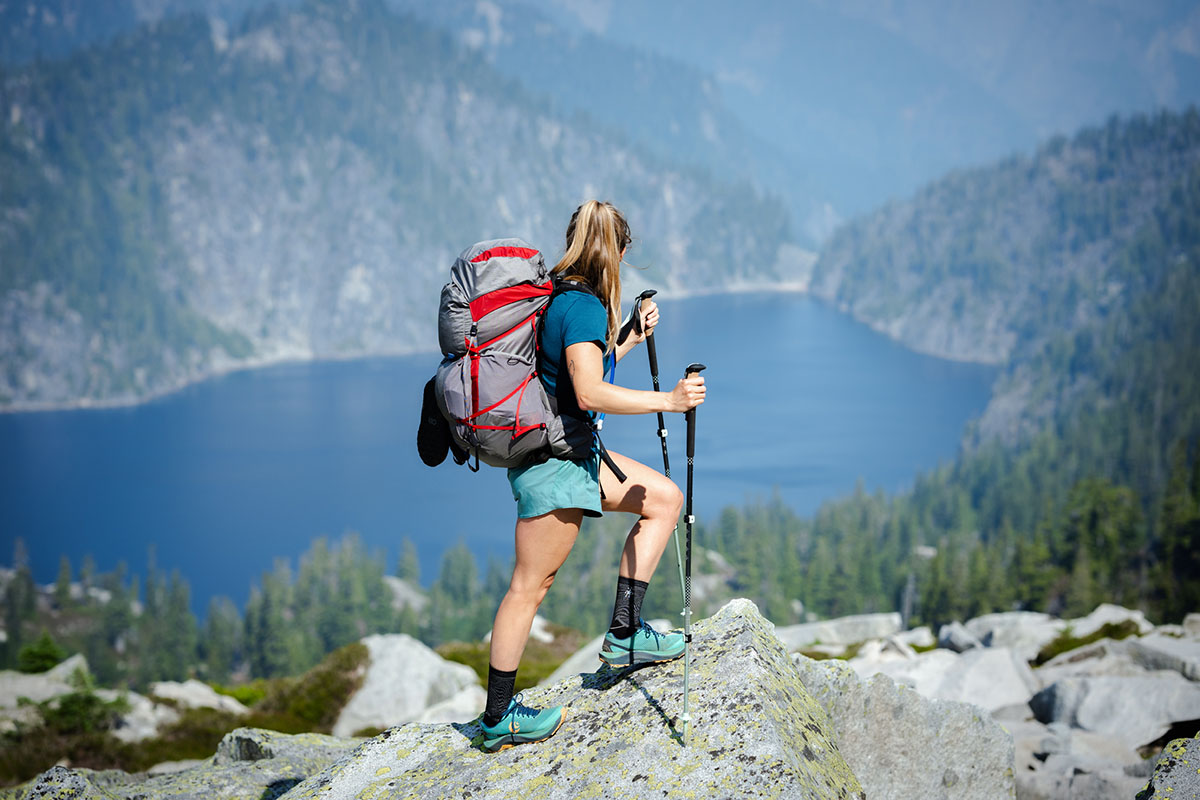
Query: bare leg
x=655, y=499
x=543, y=544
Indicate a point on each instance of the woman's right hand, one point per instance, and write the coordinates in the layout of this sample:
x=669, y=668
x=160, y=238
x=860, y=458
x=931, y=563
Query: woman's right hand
x=688, y=394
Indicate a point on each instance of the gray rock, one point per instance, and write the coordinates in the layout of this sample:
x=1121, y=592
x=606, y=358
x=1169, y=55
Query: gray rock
x=902, y=745
x=404, y=677
x=1191, y=625
x=60, y=782
x=755, y=732
x=954, y=636
x=40, y=686
x=171, y=767
x=1167, y=652
x=1175, y=774
x=991, y=678
x=1027, y=632
x=844, y=630
x=1134, y=711
x=1105, y=614
x=249, y=763
x=194, y=694
x=918, y=637
x=1105, y=657
x=143, y=720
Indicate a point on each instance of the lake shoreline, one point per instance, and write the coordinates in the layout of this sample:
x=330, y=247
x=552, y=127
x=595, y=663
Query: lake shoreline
x=90, y=404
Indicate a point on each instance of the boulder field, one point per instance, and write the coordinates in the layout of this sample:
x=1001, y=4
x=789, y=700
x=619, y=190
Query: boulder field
x=756, y=732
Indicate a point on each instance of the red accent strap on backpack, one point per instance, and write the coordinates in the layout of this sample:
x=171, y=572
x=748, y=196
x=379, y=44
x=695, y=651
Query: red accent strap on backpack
x=487, y=303
x=505, y=252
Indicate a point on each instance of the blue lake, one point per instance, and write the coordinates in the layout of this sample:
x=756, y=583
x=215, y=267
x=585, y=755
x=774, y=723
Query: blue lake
x=227, y=475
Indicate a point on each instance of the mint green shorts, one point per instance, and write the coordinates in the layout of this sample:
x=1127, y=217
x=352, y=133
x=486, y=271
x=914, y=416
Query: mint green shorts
x=557, y=483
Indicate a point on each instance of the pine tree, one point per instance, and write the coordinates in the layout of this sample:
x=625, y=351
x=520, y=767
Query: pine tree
x=62, y=586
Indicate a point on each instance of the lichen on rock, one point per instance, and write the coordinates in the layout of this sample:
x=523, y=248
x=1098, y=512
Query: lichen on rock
x=755, y=733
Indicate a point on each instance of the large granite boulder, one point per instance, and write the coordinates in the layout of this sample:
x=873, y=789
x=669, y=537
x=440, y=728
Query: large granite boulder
x=194, y=694
x=404, y=677
x=1026, y=632
x=755, y=733
x=1176, y=773
x=1168, y=652
x=955, y=636
x=1108, y=614
x=40, y=686
x=991, y=678
x=144, y=717
x=1105, y=657
x=902, y=745
x=844, y=630
x=1134, y=710
x=248, y=763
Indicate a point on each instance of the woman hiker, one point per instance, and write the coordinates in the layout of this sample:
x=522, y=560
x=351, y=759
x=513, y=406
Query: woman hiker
x=580, y=333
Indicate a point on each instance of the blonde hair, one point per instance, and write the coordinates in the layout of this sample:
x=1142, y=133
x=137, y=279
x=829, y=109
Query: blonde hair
x=596, y=237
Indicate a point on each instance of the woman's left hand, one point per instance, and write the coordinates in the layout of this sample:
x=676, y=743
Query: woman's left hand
x=649, y=313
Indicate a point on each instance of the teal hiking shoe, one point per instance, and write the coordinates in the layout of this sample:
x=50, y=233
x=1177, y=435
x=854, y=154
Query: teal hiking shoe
x=521, y=724
x=645, y=646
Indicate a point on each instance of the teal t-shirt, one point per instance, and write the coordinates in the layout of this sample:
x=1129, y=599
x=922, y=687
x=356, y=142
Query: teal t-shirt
x=573, y=317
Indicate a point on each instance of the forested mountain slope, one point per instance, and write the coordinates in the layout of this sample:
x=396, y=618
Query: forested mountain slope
x=1079, y=270
x=191, y=197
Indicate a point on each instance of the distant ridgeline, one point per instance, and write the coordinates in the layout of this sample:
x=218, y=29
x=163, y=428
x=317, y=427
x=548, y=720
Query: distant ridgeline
x=191, y=197
x=1078, y=269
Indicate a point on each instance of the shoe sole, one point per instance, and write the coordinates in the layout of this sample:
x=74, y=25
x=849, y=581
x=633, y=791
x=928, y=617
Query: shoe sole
x=523, y=740
x=623, y=659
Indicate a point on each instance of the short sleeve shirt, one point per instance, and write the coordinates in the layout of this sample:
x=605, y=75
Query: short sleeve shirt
x=573, y=317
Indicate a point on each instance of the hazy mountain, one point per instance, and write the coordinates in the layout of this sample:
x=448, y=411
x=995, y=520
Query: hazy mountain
x=194, y=196
x=874, y=99
x=48, y=29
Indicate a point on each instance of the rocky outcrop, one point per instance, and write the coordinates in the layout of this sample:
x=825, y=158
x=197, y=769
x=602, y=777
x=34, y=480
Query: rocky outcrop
x=404, y=678
x=755, y=732
x=1079, y=720
x=248, y=763
x=1175, y=776
x=902, y=745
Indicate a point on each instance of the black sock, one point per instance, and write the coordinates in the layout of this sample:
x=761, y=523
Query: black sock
x=500, y=691
x=627, y=610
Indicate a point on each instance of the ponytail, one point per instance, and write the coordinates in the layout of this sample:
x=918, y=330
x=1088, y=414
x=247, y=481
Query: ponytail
x=596, y=237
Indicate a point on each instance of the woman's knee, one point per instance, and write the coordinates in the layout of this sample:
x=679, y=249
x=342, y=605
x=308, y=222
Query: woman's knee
x=531, y=589
x=666, y=500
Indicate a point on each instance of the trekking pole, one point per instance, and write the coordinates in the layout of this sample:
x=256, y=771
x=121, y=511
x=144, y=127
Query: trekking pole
x=652, y=352
x=689, y=518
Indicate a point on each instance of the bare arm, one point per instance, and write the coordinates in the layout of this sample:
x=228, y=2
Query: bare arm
x=585, y=365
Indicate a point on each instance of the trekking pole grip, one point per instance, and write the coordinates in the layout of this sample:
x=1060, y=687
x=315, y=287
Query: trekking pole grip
x=637, y=308
x=690, y=416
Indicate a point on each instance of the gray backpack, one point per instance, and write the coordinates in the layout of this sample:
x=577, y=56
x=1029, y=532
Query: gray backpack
x=487, y=387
